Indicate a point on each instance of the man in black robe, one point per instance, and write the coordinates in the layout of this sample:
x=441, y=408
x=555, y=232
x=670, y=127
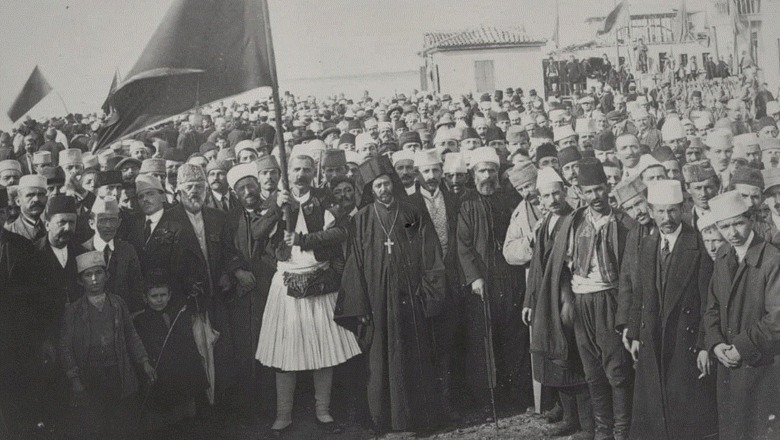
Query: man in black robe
x=393, y=280
x=483, y=220
x=246, y=306
x=566, y=377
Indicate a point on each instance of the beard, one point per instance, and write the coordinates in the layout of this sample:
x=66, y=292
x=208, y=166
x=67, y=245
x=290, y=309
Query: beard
x=431, y=184
x=487, y=187
x=192, y=203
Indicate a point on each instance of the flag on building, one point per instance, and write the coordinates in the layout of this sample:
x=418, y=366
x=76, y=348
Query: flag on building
x=35, y=89
x=616, y=16
x=682, y=28
x=202, y=51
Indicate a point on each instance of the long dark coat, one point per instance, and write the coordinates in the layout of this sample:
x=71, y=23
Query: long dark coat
x=743, y=309
x=669, y=401
x=395, y=291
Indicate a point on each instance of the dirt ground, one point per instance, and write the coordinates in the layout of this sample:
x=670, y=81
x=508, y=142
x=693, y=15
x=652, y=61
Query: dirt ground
x=517, y=426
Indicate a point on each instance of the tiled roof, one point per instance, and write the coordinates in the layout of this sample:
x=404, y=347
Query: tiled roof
x=481, y=37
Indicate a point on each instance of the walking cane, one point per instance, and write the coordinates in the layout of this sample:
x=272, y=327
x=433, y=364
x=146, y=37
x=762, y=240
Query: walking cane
x=490, y=360
x=162, y=350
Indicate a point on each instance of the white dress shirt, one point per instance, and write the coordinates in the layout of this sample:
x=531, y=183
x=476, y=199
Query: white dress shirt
x=742, y=249
x=61, y=254
x=155, y=218
x=671, y=238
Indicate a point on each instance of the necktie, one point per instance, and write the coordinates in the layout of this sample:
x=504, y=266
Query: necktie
x=665, y=252
x=107, y=254
x=147, y=230
x=40, y=231
x=225, y=206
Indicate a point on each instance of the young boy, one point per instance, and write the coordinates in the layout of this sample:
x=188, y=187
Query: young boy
x=169, y=404
x=97, y=344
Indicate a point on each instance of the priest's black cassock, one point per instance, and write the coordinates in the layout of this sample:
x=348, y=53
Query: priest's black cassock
x=397, y=282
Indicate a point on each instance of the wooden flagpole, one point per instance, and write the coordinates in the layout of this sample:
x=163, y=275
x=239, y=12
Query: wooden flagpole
x=277, y=111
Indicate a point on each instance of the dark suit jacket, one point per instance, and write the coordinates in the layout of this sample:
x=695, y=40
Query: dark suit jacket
x=190, y=265
x=235, y=205
x=157, y=253
x=125, y=277
x=52, y=288
x=671, y=400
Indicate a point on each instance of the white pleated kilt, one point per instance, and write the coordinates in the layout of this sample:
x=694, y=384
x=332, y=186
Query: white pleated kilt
x=300, y=334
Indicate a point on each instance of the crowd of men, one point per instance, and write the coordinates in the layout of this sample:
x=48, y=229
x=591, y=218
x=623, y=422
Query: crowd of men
x=442, y=255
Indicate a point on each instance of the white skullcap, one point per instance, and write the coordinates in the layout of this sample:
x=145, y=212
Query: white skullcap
x=364, y=139
x=646, y=161
x=71, y=156
x=564, y=132
x=424, y=158
x=402, y=155
x=32, y=181
x=244, y=145
x=483, y=154
x=672, y=129
x=454, y=163
x=352, y=157
x=547, y=176
x=240, y=171
x=585, y=126
x=664, y=192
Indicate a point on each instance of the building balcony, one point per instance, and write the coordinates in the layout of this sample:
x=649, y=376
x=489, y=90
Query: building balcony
x=748, y=7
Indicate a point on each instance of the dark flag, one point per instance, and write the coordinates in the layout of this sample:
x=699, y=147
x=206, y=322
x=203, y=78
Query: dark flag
x=35, y=89
x=613, y=18
x=114, y=83
x=203, y=51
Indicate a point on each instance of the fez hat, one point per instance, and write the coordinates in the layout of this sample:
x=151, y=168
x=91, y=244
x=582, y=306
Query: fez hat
x=60, y=204
x=591, y=172
x=569, y=155
x=747, y=176
x=333, y=158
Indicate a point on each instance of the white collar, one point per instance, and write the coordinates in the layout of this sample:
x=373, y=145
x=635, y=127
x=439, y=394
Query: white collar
x=671, y=238
x=198, y=216
x=430, y=195
x=742, y=249
x=302, y=199
x=411, y=190
x=353, y=212
x=100, y=244
x=155, y=218
x=218, y=195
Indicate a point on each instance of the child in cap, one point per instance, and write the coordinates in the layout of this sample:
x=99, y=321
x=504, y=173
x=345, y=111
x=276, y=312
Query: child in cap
x=101, y=354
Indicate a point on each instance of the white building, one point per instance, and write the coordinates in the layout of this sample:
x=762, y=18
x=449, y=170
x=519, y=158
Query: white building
x=482, y=60
x=754, y=25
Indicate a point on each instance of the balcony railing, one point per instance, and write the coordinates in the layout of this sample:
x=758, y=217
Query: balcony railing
x=748, y=7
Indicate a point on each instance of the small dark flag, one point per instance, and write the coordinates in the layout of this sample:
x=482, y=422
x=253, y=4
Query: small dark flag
x=35, y=89
x=203, y=51
x=613, y=18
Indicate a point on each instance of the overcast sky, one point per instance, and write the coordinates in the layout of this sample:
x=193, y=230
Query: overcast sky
x=79, y=43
